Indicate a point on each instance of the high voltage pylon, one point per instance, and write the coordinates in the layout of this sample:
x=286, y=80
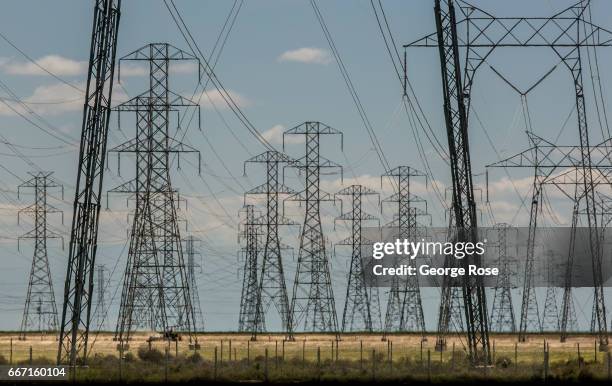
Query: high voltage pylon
x=271, y=289
x=156, y=292
x=100, y=310
x=313, y=303
x=502, y=312
x=550, y=316
x=404, y=305
x=40, y=310
x=357, y=314
x=76, y=312
x=250, y=307
x=545, y=158
x=566, y=33
x=192, y=251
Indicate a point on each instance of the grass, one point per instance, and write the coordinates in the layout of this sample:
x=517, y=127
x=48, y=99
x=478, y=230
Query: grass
x=313, y=357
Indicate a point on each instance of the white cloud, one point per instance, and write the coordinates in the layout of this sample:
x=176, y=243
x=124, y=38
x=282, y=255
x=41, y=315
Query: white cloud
x=274, y=135
x=306, y=55
x=55, y=64
x=212, y=98
x=54, y=99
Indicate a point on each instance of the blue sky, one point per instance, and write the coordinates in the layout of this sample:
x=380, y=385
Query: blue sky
x=278, y=67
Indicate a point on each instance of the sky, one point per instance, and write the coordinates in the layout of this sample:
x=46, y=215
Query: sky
x=278, y=67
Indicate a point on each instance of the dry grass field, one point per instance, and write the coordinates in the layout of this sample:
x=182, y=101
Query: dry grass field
x=319, y=356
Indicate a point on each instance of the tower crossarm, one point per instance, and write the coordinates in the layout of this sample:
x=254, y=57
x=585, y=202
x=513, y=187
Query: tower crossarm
x=556, y=31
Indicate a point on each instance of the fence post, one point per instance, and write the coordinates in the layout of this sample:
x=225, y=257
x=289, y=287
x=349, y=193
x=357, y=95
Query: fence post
x=30, y=355
x=318, y=363
x=515, y=355
x=609, y=360
x=221, y=353
x=248, y=352
x=11, y=355
x=283, y=354
x=373, y=364
x=361, y=355
x=215, y=368
x=176, y=348
x=421, y=353
x=579, y=361
x=391, y=356
x=120, y=360
x=337, y=349
x=453, y=357
x=304, y=353
x=266, y=366
x=229, y=350
x=494, y=351
x=595, y=351
x=166, y=365
x=276, y=354
x=428, y=365
x=545, y=362
x=331, y=359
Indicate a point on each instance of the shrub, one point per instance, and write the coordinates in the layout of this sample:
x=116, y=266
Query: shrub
x=152, y=355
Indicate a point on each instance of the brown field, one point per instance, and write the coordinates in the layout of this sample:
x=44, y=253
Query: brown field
x=314, y=356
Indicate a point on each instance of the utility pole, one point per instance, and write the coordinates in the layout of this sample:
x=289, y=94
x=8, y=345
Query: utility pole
x=249, y=319
x=357, y=315
x=313, y=302
x=272, y=288
x=404, y=305
x=156, y=291
x=40, y=310
x=78, y=289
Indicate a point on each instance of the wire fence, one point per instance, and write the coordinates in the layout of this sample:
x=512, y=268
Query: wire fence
x=236, y=357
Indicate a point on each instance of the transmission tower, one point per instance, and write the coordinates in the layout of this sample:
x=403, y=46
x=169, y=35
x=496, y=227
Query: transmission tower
x=550, y=317
x=250, y=307
x=101, y=299
x=567, y=33
x=40, y=310
x=502, y=313
x=357, y=315
x=404, y=305
x=192, y=251
x=78, y=288
x=313, y=302
x=272, y=288
x=456, y=108
x=156, y=292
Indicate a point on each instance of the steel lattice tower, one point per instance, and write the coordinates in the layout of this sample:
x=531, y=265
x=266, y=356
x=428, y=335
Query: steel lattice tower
x=250, y=318
x=156, y=290
x=502, y=313
x=404, y=306
x=272, y=288
x=313, y=302
x=550, y=316
x=566, y=33
x=357, y=314
x=40, y=310
x=191, y=250
x=78, y=288
x=101, y=298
